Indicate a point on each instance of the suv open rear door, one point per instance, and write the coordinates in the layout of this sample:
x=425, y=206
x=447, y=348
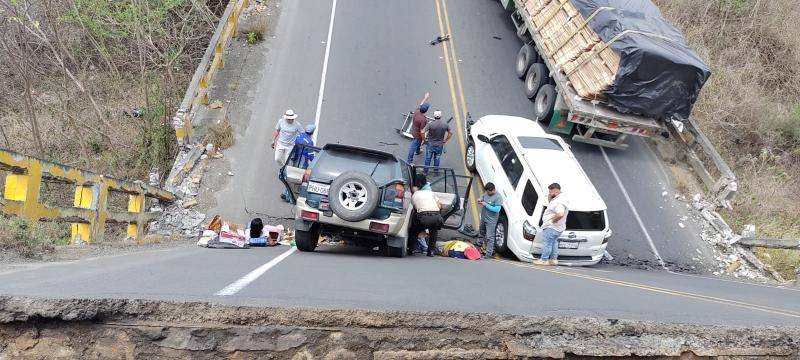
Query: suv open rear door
x=292, y=173
x=452, y=190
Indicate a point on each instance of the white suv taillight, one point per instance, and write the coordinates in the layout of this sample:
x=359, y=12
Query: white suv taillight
x=528, y=231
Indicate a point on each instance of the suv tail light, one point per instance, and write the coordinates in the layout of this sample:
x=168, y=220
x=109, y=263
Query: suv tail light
x=378, y=227
x=528, y=231
x=309, y=215
x=306, y=174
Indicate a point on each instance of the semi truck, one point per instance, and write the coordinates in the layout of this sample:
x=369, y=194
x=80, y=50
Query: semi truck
x=556, y=103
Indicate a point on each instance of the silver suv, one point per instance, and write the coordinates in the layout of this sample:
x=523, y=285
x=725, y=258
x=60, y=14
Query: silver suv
x=364, y=195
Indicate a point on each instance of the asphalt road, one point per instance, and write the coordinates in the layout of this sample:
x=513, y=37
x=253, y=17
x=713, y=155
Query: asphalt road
x=379, y=65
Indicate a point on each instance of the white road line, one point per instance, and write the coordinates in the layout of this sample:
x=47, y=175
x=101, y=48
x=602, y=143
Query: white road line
x=633, y=209
x=253, y=275
x=324, y=72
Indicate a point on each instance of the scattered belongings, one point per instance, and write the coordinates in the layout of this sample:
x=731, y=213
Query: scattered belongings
x=221, y=234
x=440, y=39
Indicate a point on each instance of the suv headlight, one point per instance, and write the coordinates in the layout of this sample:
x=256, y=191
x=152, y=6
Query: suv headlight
x=528, y=231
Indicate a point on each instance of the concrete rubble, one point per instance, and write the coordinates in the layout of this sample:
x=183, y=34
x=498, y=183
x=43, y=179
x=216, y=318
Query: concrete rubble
x=180, y=217
x=126, y=328
x=732, y=259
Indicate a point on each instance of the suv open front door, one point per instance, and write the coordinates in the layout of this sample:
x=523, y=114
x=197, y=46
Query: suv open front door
x=293, y=171
x=452, y=190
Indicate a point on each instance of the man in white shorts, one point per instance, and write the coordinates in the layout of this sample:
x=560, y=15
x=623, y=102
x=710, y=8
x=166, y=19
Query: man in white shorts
x=286, y=131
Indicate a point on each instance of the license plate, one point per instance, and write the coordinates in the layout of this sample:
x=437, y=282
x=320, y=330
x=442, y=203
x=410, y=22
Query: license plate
x=567, y=245
x=318, y=188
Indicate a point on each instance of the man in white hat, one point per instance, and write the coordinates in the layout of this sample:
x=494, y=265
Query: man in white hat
x=286, y=132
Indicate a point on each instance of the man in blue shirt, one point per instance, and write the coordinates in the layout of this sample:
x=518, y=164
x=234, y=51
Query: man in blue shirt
x=305, y=155
x=302, y=156
x=491, y=203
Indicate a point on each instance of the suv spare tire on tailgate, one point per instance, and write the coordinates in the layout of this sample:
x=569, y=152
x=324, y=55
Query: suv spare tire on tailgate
x=353, y=196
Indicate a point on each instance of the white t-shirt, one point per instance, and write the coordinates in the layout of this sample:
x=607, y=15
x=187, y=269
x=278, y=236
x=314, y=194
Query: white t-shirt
x=556, y=205
x=288, y=132
x=425, y=201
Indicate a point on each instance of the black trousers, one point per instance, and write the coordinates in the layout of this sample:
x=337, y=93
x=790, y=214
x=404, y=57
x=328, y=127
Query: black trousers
x=431, y=220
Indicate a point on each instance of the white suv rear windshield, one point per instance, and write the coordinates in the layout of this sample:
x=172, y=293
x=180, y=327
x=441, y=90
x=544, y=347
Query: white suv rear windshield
x=584, y=220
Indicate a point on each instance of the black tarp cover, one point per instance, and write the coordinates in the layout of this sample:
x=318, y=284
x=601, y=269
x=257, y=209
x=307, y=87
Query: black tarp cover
x=658, y=78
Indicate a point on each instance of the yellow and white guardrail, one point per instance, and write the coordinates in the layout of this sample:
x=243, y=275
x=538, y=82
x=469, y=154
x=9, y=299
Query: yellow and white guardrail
x=89, y=214
x=213, y=59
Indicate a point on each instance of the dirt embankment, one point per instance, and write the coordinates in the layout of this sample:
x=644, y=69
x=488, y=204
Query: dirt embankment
x=118, y=328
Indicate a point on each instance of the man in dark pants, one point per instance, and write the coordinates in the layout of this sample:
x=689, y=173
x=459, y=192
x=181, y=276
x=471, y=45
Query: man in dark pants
x=419, y=121
x=428, y=209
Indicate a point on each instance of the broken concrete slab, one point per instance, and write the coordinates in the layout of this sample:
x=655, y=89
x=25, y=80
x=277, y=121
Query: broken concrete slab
x=128, y=328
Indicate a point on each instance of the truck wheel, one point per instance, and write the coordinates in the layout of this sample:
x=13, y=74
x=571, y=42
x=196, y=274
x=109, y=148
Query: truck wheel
x=307, y=240
x=545, y=103
x=398, y=252
x=525, y=57
x=501, y=235
x=469, y=156
x=536, y=78
x=353, y=196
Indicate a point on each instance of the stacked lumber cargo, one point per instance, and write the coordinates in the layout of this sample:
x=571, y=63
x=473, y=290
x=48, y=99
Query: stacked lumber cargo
x=574, y=46
x=621, y=52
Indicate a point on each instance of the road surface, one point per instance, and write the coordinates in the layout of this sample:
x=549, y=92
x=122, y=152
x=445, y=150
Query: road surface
x=375, y=62
x=379, y=66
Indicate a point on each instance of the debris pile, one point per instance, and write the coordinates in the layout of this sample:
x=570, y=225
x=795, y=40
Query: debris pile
x=732, y=259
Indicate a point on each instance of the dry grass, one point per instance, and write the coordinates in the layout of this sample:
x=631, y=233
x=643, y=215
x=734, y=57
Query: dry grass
x=750, y=108
x=220, y=134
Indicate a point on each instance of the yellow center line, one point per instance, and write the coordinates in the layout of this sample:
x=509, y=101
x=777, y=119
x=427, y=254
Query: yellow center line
x=457, y=72
x=700, y=297
x=456, y=112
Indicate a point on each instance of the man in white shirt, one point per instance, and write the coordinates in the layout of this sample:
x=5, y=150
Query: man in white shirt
x=286, y=131
x=554, y=223
x=428, y=207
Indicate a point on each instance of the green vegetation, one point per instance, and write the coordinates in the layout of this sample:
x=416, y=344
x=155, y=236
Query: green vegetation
x=750, y=108
x=106, y=75
x=31, y=239
x=252, y=37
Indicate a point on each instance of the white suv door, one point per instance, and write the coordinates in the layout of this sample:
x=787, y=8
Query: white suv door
x=506, y=169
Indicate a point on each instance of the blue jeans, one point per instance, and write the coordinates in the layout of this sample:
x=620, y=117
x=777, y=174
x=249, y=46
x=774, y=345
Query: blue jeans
x=422, y=245
x=415, y=143
x=433, y=152
x=487, y=233
x=550, y=249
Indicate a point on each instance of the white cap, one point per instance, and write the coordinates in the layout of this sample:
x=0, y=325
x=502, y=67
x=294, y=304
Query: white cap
x=437, y=114
x=290, y=115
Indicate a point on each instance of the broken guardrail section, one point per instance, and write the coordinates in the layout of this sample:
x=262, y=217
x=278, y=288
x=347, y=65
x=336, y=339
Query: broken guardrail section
x=89, y=214
x=706, y=162
x=213, y=59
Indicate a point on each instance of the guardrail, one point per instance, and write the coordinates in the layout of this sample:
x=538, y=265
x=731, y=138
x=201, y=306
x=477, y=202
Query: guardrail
x=213, y=59
x=716, y=175
x=89, y=214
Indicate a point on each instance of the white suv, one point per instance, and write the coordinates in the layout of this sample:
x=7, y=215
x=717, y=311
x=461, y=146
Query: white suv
x=521, y=160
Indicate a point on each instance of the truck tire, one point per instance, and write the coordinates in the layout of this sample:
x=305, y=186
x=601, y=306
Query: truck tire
x=545, y=103
x=353, y=196
x=537, y=76
x=398, y=252
x=501, y=235
x=469, y=156
x=525, y=57
x=307, y=240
